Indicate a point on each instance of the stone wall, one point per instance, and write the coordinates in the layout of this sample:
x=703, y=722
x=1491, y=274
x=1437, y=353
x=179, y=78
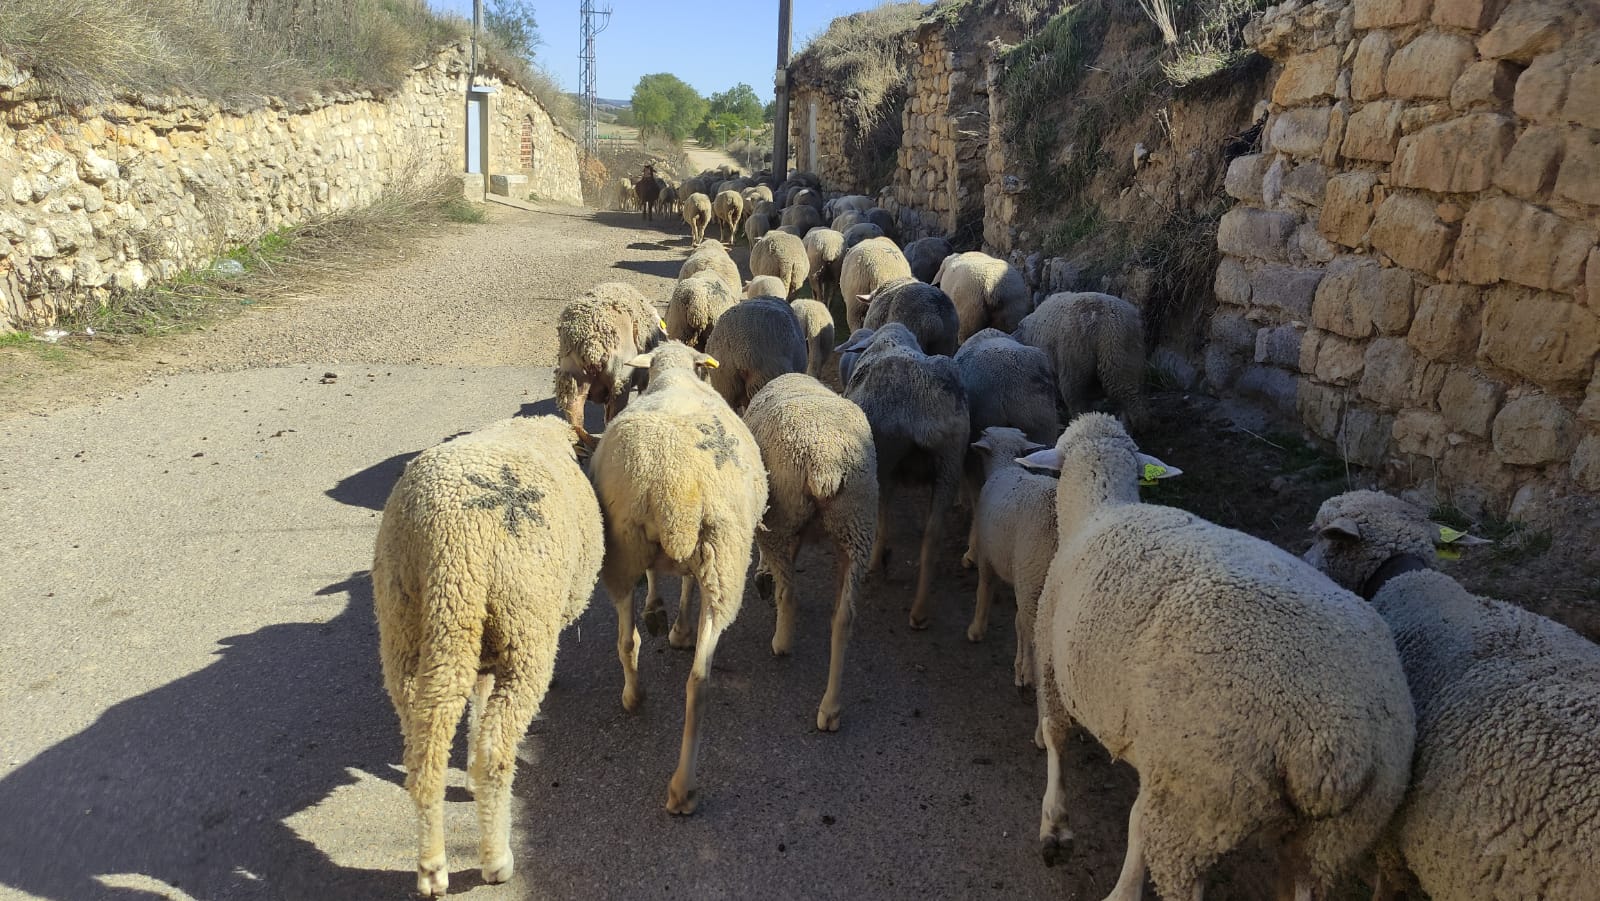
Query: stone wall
x=818, y=138
x=940, y=170
x=1411, y=268
x=113, y=196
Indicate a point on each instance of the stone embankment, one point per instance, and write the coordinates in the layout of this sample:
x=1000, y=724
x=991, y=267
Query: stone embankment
x=115, y=195
x=1411, y=268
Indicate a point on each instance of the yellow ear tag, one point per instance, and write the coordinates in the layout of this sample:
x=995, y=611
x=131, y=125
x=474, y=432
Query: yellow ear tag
x=1448, y=553
x=712, y=362
x=1151, y=473
x=1449, y=535
x=663, y=324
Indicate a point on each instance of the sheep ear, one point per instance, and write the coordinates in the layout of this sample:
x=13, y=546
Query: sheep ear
x=1049, y=458
x=1151, y=470
x=864, y=298
x=983, y=444
x=642, y=361
x=1342, y=529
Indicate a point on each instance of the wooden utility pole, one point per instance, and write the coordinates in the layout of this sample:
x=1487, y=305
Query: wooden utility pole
x=780, y=124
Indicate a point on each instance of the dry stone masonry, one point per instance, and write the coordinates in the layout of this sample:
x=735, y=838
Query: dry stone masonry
x=940, y=173
x=1411, y=268
x=116, y=195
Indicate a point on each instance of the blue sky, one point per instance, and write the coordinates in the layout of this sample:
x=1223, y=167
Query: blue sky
x=686, y=38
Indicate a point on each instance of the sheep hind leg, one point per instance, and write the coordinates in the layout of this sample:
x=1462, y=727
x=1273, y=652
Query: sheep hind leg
x=683, y=791
x=507, y=713
x=445, y=675
x=682, y=634
x=780, y=565
x=481, y=691
x=880, y=538
x=844, y=613
x=944, y=489
x=655, y=610
x=628, y=650
x=1055, y=836
x=980, y=612
x=1130, y=885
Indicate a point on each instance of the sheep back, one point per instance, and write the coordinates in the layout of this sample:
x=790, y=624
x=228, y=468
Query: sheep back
x=497, y=525
x=1248, y=691
x=866, y=266
x=755, y=341
x=1505, y=793
x=1010, y=384
x=987, y=291
x=920, y=307
x=782, y=255
x=1090, y=338
x=816, y=324
x=816, y=446
x=598, y=333
x=914, y=402
x=714, y=257
x=926, y=255
x=697, y=303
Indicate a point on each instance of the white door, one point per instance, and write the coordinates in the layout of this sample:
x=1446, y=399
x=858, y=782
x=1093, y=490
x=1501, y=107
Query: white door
x=475, y=133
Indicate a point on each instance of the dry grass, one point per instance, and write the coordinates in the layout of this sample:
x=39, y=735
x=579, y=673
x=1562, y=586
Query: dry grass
x=229, y=50
x=278, y=264
x=864, y=54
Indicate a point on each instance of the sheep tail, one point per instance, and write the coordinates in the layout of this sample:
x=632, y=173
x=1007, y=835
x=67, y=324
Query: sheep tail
x=453, y=611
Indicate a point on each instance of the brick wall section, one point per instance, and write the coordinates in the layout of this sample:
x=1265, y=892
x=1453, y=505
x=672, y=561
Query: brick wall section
x=1411, y=269
x=117, y=195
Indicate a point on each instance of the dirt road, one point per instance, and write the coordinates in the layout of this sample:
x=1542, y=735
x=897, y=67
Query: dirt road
x=190, y=702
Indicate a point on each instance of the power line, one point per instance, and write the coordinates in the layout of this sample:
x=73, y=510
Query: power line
x=591, y=22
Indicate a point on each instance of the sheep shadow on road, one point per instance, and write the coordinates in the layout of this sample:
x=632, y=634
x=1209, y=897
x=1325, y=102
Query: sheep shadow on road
x=191, y=783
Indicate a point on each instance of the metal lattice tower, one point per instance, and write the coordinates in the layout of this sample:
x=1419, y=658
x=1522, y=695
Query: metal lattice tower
x=591, y=22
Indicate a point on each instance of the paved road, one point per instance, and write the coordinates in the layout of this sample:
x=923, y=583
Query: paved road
x=190, y=703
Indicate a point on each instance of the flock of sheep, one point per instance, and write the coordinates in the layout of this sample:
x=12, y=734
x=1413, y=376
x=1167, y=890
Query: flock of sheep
x=1349, y=702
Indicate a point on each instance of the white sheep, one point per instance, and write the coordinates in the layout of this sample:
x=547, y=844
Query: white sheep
x=918, y=414
x=782, y=255
x=821, y=471
x=1013, y=537
x=824, y=258
x=1252, y=695
x=988, y=292
x=764, y=286
x=596, y=335
x=920, y=307
x=755, y=341
x=1504, y=799
x=682, y=489
x=866, y=266
x=697, y=303
x=816, y=324
x=489, y=546
x=713, y=256
x=697, y=213
x=1091, y=338
x=728, y=208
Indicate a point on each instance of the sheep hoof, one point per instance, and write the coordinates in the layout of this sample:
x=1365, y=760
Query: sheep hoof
x=682, y=641
x=1055, y=849
x=967, y=562
x=826, y=721
x=432, y=879
x=919, y=623
x=975, y=632
x=655, y=621
x=498, y=871
x=632, y=699
x=764, y=585
x=682, y=802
